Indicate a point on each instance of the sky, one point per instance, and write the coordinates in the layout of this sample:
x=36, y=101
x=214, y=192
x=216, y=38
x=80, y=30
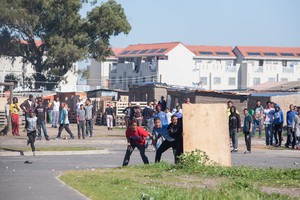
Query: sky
x=211, y=22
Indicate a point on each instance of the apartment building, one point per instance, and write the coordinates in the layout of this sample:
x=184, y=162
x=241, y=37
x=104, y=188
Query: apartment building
x=170, y=63
x=216, y=67
x=262, y=64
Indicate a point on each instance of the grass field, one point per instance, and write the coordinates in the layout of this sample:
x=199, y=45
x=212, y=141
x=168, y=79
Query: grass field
x=190, y=180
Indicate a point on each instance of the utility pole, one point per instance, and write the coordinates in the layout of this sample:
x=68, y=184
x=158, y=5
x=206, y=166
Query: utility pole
x=10, y=85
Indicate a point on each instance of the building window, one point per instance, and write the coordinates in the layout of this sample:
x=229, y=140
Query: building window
x=120, y=79
x=153, y=79
x=231, y=81
x=256, y=81
x=260, y=62
x=129, y=80
x=284, y=79
x=284, y=63
x=144, y=79
x=271, y=79
x=112, y=80
x=217, y=80
x=136, y=79
x=203, y=80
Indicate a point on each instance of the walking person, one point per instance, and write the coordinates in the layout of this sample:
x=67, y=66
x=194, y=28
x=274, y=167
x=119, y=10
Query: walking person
x=64, y=122
x=247, y=130
x=257, y=118
x=80, y=118
x=89, y=118
x=14, y=110
x=109, y=112
x=162, y=103
x=31, y=125
x=268, y=122
x=291, y=137
x=278, y=125
x=55, y=112
x=162, y=131
x=234, y=125
x=136, y=138
x=127, y=111
x=40, y=112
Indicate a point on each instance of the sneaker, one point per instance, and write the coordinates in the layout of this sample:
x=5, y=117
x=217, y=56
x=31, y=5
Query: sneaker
x=234, y=150
x=39, y=138
x=58, y=138
x=47, y=138
x=247, y=152
x=72, y=137
x=33, y=153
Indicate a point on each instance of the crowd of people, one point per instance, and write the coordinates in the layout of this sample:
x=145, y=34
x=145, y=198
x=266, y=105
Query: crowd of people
x=271, y=118
x=163, y=129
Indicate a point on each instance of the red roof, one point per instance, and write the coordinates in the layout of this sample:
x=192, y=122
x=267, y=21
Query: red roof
x=155, y=49
x=116, y=52
x=211, y=51
x=257, y=51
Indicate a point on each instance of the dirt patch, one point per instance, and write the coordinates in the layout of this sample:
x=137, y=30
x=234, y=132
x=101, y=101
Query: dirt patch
x=292, y=192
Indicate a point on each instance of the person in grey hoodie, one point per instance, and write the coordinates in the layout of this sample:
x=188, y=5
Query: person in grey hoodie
x=89, y=117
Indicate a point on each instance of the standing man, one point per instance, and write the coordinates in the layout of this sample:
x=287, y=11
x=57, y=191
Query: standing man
x=291, y=137
x=89, y=118
x=247, y=129
x=136, y=138
x=127, y=111
x=40, y=112
x=258, y=115
x=109, y=112
x=148, y=117
x=80, y=118
x=278, y=125
x=268, y=122
x=234, y=125
x=162, y=103
x=55, y=112
x=27, y=105
x=64, y=122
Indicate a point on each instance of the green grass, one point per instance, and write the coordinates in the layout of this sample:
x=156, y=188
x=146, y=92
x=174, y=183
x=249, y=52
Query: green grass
x=185, y=181
x=50, y=148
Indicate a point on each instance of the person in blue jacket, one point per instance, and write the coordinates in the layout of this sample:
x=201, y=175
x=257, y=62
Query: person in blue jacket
x=278, y=125
x=291, y=137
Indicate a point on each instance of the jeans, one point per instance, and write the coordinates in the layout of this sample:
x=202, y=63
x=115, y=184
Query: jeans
x=291, y=137
x=234, y=137
x=163, y=147
x=257, y=123
x=42, y=125
x=66, y=127
x=130, y=149
x=269, y=134
x=248, y=140
x=80, y=127
x=31, y=139
x=109, y=121
x=278, y=130
x=55, y=118
x=89, y=127
x=179, y=149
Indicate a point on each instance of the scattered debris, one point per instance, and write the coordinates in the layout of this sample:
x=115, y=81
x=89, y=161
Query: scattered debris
x=27, y=162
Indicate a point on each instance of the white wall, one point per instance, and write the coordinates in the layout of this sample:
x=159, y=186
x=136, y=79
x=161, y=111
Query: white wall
x=179, y=68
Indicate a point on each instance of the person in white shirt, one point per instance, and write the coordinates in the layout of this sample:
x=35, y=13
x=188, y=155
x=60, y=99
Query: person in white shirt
x=55, y=112
x=268, y=122
x=169, y=115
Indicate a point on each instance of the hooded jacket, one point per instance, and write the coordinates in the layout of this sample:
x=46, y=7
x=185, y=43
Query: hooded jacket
x=278, y=115
x=234, y=120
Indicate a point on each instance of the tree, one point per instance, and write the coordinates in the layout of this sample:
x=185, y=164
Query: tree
x=51, y=35
x=11, y=78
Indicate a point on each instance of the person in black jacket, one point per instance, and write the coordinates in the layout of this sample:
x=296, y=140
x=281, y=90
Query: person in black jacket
x=234, y=125
x=175, y=131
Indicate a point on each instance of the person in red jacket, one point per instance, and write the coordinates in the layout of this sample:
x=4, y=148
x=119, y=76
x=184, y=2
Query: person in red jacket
x=136, y=138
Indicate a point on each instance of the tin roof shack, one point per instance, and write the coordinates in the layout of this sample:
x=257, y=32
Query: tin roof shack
x=178, y=95
x=239, y=100
x=112, y=95
x=147, y=91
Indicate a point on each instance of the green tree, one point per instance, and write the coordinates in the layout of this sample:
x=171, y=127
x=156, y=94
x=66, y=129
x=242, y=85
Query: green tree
x=51, y=35
x=11, y=78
